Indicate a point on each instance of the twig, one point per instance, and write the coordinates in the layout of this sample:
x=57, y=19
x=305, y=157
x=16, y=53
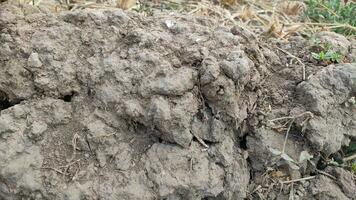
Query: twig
x=281, y=189
x=74, y=145
x=200, y=141
x=291, y=121
x=256, y=189
x=104, y=135
x=281, y=118
x=296, y=58
x=299, y=179
x=291, y=192
x=54, y=169
x=352, y=157
x=287, y=133
x=70, y=164
x=292, y=117
x=326, y=174
x=75, y=177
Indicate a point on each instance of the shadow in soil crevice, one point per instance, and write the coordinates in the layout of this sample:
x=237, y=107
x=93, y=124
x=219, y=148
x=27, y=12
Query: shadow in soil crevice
x=5, y=103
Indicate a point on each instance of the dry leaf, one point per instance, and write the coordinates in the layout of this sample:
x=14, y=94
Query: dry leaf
x=231, y=2
x=289, y=30
x=125, y=4
x=292, y=7
x=274, y=28
x=278, y=174
x=278, y=30
x=228, y=2
x=245, y=13
x=280, y=130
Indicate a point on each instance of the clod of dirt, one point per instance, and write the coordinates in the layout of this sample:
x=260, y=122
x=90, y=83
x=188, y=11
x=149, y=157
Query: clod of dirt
x=325, y=94
x=345, y=180
x=337, y=42
x=113, y=110
x=116, y=105
x=324, y=188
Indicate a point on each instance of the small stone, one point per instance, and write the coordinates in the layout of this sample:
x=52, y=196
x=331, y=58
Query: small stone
x=221, y=92
x=123, y=158
x=169, y=24
x=101, y=158
x=37, y=130
x=34, y=61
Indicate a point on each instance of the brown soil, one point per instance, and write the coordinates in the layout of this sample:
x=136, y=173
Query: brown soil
x=107, y=104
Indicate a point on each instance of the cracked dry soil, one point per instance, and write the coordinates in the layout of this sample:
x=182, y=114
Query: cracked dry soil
x=106, y=104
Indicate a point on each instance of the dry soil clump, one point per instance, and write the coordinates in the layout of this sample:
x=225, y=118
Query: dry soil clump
x=106, y=104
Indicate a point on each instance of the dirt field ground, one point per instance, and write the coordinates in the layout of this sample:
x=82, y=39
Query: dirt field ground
x=109, y=104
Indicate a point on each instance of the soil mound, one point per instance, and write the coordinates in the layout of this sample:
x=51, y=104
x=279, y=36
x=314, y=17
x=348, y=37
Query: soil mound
x=106, y=104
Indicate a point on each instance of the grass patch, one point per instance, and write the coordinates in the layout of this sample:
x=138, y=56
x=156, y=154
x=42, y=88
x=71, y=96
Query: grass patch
x=326, y=54
x=339, y=16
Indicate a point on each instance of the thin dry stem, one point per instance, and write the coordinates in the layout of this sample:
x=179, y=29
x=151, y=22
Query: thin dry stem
x=292, y=117
x=299, y=179
x=287, y=134
x=352, y=157
x=291, y=192
x=326, y=174
x=296, y=58
x=74, y=145
x=54, y=169
x=201, y=141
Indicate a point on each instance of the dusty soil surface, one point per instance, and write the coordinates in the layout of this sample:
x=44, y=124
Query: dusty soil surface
x=106, y=104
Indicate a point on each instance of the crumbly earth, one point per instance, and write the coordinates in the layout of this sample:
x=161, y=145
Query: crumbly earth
x=106, y=104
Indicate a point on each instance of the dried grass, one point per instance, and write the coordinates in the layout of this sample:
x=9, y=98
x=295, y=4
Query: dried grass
x=125, y=4
x=266, y=18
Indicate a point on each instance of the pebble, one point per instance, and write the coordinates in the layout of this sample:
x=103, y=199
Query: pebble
x=306, y=184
